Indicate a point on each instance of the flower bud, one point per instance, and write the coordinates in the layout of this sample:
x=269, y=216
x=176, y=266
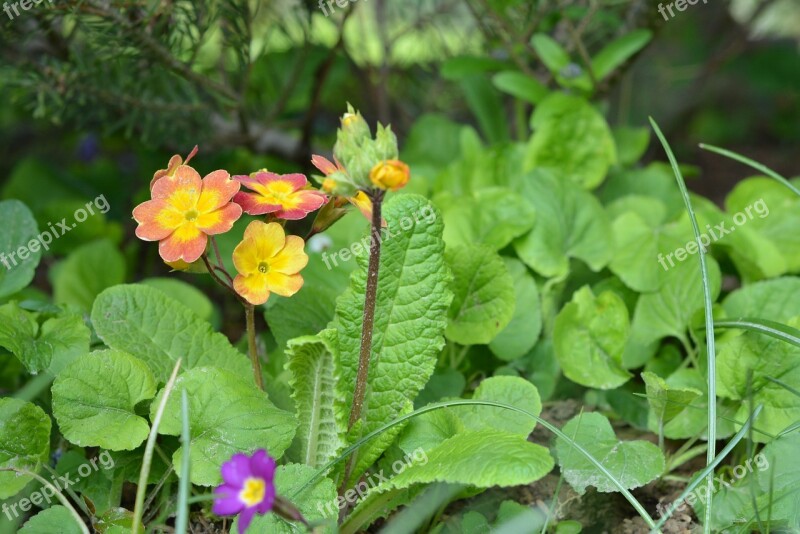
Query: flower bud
x=391, y=174
x=386, y=143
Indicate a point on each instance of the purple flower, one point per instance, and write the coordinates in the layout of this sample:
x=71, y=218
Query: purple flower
x=247, y=487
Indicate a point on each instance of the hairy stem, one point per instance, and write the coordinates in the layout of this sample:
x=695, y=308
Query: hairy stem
x=250, y=313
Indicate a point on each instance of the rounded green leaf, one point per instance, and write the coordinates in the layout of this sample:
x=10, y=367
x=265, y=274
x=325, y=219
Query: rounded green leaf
x=632, y=463
x=186, y=294
x=521, y=334
x=227, y=414
x=511, y=390
x=54, y=520
x=18, y=260
x=24, y=442
x=86, y=272
x=589, y=338
x=95, y=397
x=483, y=295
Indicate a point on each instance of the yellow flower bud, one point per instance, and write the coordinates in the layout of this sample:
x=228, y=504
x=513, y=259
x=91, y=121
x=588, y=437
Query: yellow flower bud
x=391, y=174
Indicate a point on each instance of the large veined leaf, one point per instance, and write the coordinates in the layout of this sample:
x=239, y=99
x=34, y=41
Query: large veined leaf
x=86, y=272
x=571, y=138
x=774, y=300
x=313, y=366
x=95, y=397
x=185, y=293
x=749, y=356
x=144, y=322
x=410, y=319
x=589, y=338
x=521, y=334
x=24, y=442
x=483, y=295
x=19, y=230
x=492, y=216
x=316, y=503
x=227, y=414
x=47, y=346
x=511, y=390
x=633, y=463
x=54, y=520
x=570, y=223
x=304, y=314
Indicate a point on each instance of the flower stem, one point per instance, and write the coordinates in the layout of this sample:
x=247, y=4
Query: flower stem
x=369, y=309
x=250, y=314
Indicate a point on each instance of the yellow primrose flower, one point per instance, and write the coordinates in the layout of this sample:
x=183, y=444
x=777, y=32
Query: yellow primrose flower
x=268, y=261
x=390, y=174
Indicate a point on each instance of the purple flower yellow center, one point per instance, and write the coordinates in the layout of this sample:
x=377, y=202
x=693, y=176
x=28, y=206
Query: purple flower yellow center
x=253, y=491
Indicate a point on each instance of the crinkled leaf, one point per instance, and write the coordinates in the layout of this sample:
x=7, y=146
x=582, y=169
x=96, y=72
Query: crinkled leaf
x=19, y=228
x=570, y=223
x=86, y=272
x=186, y=294
x=521, y=334
x=24, y=442
x=227, y=414
x=589, y=338
x=153, y=327
x=49, y=345
x=95, y=397
x=313, y=366
x=632, y=463
x=483, y=295
x=571, y=138
x=410, y=318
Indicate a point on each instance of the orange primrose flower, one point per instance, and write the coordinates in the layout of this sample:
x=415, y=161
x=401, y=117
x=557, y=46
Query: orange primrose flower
x=391, y=174
x=282, y=195
x=185, y=210
x=268, y=261
x=174, y=162
x=360, y=200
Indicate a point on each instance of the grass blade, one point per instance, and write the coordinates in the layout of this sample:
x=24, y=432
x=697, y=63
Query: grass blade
x=754, y=164
x=763, y=326
x=709, y=321
x=182, y=521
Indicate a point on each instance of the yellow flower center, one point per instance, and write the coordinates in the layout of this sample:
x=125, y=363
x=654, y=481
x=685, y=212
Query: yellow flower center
x=191, y=215
x=253, y=491
x=263, y=267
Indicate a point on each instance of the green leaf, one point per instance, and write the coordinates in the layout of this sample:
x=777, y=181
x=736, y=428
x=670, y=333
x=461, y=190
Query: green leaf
x=520, y=86
x=655, y=180
x=631, y=143
x=153, y=327
x=313, y=366
x=19, y=229
x=227, y=414
x=95, y=397
x=24, y=442
x=410, y=319
x=87, y=272
x=692, y=422
x=482, y=458
x=492, y=216
x=483, y=301
x=633, y=463
x=316, y=503
x=774, y=300
x=521, y=334
x=511, y=390
x=570, y=223
x=428, y=430
x=617, y=52
x=589, y=337
x=186, y=294
x=667, y=402
x=305, y=314
x=49, y=345
x=550, y=52
x=571, y=138
x=486, y=104
x=54, y=520
x=742, y=353
x=444, y=383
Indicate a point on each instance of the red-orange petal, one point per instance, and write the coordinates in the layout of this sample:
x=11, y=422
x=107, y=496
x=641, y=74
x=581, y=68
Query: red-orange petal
x=303, y=202
x=324, y=165
x=218, y=190
x=187, y=243
x=254, y=204
x=219, y=221
x=151, y=221
x=182, y=191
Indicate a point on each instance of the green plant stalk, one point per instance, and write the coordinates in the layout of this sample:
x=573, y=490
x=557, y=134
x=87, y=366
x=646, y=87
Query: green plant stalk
x=709, y=322
x=754, y=164
x=57, y=493
x=763, y=326
x=182, y=520
x=471, y=402
x=252, y=349
x=709, y=469
x=147, y=460
x=370, y=297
